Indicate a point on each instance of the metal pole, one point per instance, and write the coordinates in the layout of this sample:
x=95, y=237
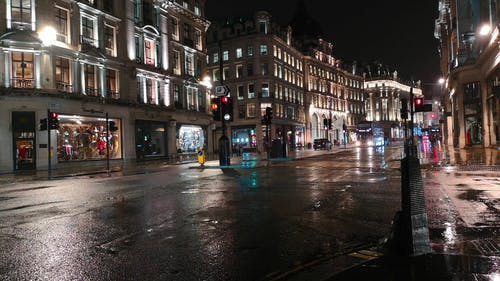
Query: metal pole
x=224, y=147
x=411, y=151
x=268, y=143
x=49, y=148
x=107, y=144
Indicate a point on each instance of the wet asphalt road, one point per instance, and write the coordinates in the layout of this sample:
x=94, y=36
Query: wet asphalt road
x=194, y=224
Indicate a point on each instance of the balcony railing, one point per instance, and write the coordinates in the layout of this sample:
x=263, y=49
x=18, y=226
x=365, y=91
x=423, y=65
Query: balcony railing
x=112, y=94
x=23, y=83
x=91, y=92
x=88, y=41
x=64, y=87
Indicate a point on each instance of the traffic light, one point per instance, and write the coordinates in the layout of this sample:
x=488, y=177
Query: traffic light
x=268, y=116
x=53, y=120
x=419, y=104
x=43, y=124
x=215, y=104
x=112, y=126
x=227, y=108
x=269, y=113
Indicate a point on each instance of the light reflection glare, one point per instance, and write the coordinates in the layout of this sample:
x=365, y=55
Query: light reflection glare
x=494, y=277
x=449, y=233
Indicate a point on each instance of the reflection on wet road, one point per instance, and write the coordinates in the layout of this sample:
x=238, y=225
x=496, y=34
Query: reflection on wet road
x=230, y=224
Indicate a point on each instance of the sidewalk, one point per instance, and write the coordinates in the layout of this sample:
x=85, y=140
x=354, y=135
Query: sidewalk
x=152, y=166
x=429, y=267
x=473, y=260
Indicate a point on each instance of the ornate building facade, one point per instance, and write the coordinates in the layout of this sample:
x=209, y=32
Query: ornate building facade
x=311, y=94
x=469, y=47
x=385, y=95
x=136, y=63
x=335, y=98
x=262, y=69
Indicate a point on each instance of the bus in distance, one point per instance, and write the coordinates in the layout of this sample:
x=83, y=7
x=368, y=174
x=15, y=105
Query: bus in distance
x=369, y=134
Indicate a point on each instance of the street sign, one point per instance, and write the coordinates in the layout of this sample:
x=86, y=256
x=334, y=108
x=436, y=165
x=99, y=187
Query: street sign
x=221, y=91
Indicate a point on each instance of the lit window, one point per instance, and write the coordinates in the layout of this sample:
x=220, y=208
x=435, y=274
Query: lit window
x=109, y=38
x=197, y=38
x=63, y=82
x=149, y=51
x=20, y=14
x=88, y=30
x=177, y=63
x=251, y=110
x=239, y=53
x=239, y=71
x=189, y=64
x=22, y=70
x=251, y=91
x=111, y=84
x=62, y=25
x=263, y=49
x=241, y=92
x=250, y=51
x=265, y=90
x=216, y=57
x=90, y=80
x=175, y=29
x=197, y=9
x=225, y=55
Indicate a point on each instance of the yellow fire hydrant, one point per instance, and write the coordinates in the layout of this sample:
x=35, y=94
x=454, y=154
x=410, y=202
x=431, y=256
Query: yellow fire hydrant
x=201, y=156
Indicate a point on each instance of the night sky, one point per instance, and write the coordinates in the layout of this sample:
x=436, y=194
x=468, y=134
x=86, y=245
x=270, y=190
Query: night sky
x=399, y=33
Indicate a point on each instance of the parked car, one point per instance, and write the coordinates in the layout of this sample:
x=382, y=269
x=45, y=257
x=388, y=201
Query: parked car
x=322, y=144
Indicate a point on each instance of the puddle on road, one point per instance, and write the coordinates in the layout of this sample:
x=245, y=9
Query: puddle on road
x=471, y=195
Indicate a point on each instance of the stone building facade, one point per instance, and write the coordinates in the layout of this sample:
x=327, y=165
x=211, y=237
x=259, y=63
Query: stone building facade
x=468, y=33
x=136, y=63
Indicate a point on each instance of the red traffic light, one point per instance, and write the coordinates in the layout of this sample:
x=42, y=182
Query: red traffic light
x=54, y=115
x=433, y=115
x=225, y=100
x=419, y=101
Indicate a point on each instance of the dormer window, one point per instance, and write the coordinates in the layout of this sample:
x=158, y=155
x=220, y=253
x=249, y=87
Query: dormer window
x=263, y=27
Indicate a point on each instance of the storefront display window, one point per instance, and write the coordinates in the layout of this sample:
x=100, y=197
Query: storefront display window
x=473, y=114
x=85, y=138
x=150, y=139
x=190, y=138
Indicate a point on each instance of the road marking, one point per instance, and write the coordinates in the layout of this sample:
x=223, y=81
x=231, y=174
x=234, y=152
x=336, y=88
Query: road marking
x=365, y=255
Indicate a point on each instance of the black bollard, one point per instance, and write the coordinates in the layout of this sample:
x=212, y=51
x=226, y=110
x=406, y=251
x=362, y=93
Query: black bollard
x=414, y=226
x=224, y=152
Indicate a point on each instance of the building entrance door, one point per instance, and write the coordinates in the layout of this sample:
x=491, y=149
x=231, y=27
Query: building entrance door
x=24, y=148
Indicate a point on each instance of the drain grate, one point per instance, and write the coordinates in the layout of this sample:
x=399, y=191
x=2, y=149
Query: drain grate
x=487, y=247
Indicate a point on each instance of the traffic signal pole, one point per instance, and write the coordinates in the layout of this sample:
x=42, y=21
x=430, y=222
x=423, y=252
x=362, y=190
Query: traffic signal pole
x=107, y=143
x=224, y=152
x=49, y=148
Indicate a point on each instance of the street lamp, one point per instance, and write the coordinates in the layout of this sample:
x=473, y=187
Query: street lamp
x=206, y=82
x=48, y=35
x=485, y=29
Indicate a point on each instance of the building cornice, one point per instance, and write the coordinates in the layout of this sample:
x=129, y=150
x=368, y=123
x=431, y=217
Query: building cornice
x=167, y=4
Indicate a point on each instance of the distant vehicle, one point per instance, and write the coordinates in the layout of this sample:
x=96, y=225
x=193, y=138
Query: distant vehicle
x=322, y=144
x=370, y=134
